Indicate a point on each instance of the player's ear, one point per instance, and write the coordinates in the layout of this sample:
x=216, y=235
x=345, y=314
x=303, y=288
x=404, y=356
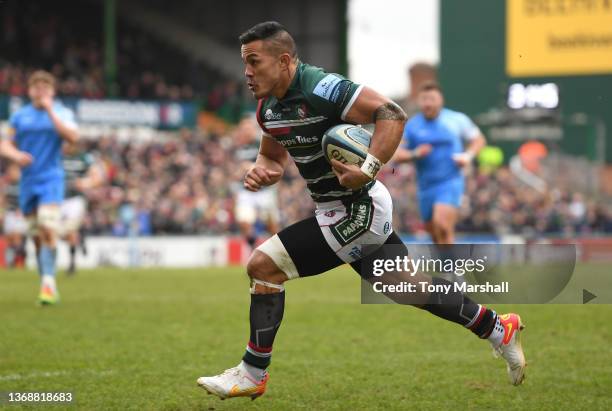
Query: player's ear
x=285, y=60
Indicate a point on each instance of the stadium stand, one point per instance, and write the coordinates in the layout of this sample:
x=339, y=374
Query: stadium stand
x=34, y=35
x=185, y=184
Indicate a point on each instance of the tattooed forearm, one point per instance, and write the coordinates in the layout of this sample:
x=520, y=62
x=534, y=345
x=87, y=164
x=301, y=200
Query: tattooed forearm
x=389, y=111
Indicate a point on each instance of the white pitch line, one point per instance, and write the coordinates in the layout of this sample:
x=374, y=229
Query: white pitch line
x=50, y=374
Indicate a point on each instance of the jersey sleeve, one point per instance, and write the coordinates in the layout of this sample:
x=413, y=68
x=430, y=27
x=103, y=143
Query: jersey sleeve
x=407, y=137
x=11, y=130
x=468, y=130
x=331, y=93
x=14, y=120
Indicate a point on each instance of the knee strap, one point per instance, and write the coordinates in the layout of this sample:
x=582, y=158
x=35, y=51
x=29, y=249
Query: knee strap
x=255, y=281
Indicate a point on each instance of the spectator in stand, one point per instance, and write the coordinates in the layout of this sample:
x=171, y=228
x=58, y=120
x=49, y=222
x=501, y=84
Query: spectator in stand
x=181, y=186
x=77, y=60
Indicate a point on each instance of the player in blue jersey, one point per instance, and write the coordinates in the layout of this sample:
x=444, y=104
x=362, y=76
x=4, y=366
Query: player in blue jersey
x=441, y=142
x=35, y=139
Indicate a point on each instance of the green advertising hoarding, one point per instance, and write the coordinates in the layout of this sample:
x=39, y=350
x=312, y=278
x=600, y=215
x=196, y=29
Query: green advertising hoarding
x=490, y=48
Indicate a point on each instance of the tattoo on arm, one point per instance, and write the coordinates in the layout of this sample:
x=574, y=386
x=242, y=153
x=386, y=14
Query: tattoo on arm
x=389, y=111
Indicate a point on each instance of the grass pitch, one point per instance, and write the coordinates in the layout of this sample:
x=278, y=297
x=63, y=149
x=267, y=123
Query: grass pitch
x=138, y=339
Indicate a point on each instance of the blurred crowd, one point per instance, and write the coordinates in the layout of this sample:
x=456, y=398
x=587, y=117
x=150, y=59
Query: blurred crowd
x=187, y=185
x=501, y=203
x=496, y=201
x=34, y=35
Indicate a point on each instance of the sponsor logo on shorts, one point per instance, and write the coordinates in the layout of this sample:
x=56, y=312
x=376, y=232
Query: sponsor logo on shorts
x=386, y=227
x=356, y=253
x=355, y=223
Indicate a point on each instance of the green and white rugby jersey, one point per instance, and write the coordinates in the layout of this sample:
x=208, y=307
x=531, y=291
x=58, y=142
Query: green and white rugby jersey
x=314, y=102
x=75, y=167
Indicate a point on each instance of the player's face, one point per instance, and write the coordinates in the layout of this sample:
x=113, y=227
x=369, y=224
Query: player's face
x=261, y=69
x=430, y=103
x=39, y=91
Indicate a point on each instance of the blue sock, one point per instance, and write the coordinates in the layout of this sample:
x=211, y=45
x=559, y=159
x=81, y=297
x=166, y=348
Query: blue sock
x=38, y=263
x=9, y=256
x=47, y=260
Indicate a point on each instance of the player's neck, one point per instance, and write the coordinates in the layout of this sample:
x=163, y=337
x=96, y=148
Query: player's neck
x=433, y=117
x=283, y=86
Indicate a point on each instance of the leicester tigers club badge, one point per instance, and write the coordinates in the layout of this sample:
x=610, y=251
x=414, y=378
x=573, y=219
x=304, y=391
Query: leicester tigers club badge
x=301, y=111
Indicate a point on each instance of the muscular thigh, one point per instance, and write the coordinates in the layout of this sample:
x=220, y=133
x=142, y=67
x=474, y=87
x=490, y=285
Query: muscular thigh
x=300, y=250
x=445, y=215
x=341, y=232
x=447, y=202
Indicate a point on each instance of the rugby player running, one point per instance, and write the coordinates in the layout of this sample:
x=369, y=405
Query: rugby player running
x=297, y=103
x=34, y=142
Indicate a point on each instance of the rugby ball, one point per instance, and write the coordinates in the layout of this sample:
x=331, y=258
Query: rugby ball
x=346, y=143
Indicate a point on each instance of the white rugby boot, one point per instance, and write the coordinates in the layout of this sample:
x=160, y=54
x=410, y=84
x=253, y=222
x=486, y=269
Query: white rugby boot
x=234, y=382
x=510, y=348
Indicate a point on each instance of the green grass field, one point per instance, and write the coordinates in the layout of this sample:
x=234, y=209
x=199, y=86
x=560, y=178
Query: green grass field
x=138, y=339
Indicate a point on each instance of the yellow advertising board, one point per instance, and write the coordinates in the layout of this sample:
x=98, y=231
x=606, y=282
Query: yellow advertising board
x=558, y=37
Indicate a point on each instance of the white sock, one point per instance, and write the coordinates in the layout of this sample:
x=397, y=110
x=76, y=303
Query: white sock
x=256, y=373
x=49, y=281
x=497, y=335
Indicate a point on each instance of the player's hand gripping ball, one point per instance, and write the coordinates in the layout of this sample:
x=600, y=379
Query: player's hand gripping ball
x=347, y=143
x=345, y=147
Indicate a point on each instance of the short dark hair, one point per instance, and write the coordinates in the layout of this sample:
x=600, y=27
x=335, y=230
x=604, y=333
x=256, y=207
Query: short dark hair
x=429, y=86
x=274, y=33
x=423, y=68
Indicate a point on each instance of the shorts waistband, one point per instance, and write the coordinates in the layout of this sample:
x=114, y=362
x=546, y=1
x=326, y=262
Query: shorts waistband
x=328, y=205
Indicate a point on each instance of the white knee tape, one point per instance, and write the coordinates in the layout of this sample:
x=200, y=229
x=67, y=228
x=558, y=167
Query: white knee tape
x=255, y=281
x=273, y=247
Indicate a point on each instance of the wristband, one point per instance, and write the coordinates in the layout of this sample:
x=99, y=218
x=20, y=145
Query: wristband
x=371, y=166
